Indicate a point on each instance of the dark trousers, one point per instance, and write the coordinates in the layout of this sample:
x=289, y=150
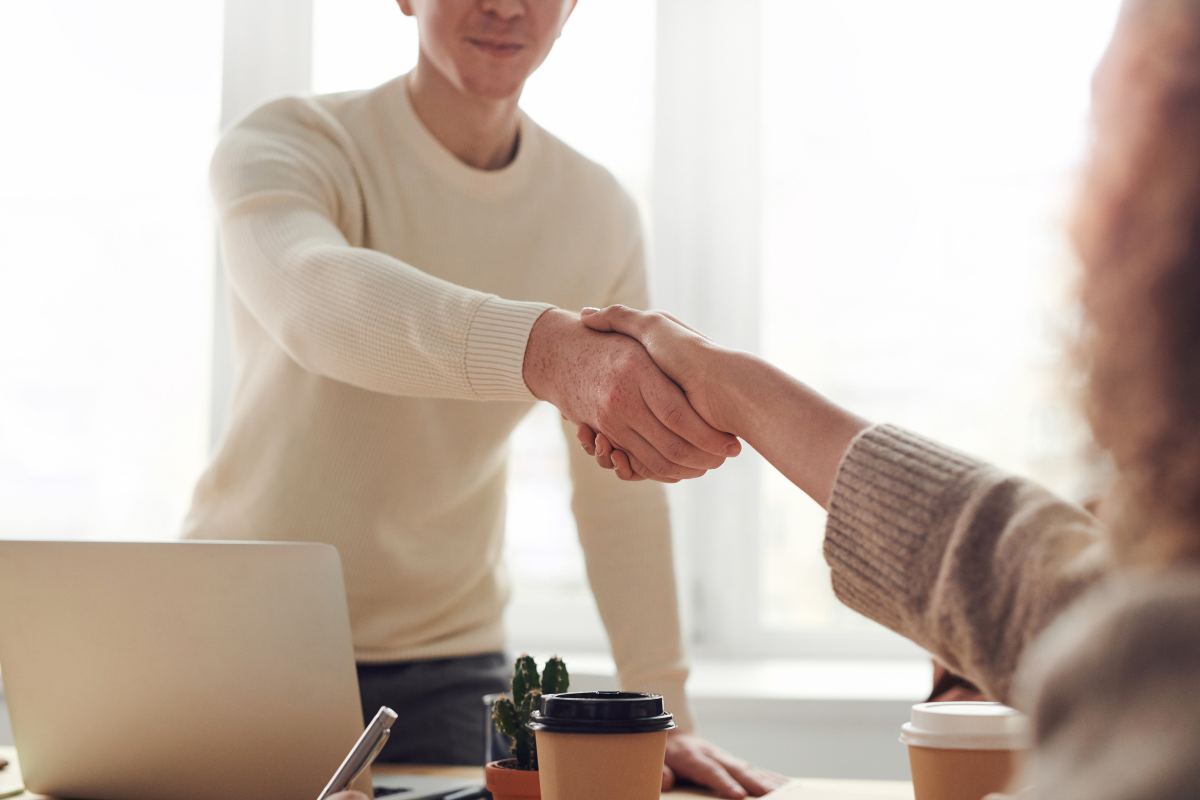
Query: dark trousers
x=439, y=703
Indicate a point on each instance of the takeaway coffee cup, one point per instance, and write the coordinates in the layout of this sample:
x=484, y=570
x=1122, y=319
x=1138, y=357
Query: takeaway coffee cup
x=963, y=751
x=601, y=745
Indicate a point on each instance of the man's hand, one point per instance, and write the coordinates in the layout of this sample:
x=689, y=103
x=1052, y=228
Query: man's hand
x=608, y=382
x=685, y=355
x=690, y=758
x=348, y=796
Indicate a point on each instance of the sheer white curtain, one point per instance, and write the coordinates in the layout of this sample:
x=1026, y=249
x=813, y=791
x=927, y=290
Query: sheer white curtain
x=105, y=263
x=705, y=229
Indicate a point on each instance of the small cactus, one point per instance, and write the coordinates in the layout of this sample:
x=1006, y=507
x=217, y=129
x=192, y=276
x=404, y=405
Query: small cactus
x=512, y=713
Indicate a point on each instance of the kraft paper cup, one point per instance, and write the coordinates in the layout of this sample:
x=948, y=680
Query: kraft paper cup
x=963, y=751
x=601, y=745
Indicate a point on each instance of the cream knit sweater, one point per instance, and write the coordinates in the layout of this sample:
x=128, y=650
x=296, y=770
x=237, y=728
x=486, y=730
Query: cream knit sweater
x=1016, y=590
x=382, y=294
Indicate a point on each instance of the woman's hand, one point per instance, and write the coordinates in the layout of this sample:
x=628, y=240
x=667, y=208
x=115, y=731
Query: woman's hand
x=348, y=796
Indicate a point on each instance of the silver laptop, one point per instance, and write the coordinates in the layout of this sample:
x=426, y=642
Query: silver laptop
x=177, y=670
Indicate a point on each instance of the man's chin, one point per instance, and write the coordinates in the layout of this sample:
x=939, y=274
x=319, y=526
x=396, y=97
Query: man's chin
x=493, y=86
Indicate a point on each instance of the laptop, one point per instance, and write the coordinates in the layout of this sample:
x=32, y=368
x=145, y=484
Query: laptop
x=178, y=670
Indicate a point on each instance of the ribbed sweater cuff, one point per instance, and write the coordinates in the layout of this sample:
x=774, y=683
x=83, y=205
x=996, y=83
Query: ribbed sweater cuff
x=496, y=348
x=891, y=488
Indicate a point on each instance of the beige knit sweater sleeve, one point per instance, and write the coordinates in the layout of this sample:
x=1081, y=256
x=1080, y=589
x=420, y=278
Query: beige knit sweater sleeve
x=1112, y=686
x=975, y=564
x=964, y=559
x=287, y=198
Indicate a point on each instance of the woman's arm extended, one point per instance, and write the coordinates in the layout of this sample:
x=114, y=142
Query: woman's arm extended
x=966, y=560
x=800, y=432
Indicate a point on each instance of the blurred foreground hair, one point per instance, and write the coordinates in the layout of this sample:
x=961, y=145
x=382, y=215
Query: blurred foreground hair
x=1138, y=234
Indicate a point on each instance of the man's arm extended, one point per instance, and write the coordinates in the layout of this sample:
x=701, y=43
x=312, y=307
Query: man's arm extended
x=286, y=195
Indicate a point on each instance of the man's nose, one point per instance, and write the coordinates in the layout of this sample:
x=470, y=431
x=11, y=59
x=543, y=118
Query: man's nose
x=504, y=9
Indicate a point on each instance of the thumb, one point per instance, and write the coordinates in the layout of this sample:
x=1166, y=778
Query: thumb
x=596, y=319
x=620, y=319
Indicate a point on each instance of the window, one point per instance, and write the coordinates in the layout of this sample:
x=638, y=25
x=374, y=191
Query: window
x=872, y=191
x=872, y=195
x=917, y=163
x=106, y=249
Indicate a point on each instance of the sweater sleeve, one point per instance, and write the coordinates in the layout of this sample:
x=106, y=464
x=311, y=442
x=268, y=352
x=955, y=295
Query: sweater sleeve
x=1113, y=686
x=625, y=532
x=967, y=561
x=286, y=193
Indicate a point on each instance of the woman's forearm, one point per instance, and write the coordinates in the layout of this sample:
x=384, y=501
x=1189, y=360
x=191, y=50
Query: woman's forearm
x=801, y=433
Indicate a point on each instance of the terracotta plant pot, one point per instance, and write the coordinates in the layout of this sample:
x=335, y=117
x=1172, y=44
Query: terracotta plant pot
x=506, y=782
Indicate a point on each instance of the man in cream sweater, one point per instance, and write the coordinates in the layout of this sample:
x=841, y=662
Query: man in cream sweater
x=399, y=260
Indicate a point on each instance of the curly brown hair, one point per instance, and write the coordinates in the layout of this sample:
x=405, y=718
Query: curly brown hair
x=1138, y=234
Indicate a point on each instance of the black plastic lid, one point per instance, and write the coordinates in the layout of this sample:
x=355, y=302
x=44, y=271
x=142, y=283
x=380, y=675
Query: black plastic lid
x=601, y=712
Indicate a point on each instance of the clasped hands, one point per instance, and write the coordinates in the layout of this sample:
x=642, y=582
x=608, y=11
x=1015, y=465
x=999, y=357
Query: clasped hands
x=637, y=385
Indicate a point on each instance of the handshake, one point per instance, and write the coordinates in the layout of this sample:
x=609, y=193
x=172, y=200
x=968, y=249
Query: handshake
x=641, y=386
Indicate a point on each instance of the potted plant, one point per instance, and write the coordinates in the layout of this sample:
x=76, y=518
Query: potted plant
x=517, y=777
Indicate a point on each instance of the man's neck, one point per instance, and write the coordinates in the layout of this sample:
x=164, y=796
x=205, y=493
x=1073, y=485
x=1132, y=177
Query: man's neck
x=480, y=131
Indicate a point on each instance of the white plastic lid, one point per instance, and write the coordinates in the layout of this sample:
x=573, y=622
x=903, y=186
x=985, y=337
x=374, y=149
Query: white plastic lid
x=967, y=726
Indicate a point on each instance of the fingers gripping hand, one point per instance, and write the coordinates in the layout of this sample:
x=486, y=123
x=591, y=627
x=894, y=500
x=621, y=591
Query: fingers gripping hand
x=685, y=355
x=608, y=457
x=693, y=759
x=597, y=444
x=610, y=383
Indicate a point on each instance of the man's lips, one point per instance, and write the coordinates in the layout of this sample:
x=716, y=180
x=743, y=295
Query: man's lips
x=495, y=47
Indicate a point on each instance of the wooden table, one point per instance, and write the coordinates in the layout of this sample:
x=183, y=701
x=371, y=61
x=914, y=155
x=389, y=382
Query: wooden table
x=819, y=788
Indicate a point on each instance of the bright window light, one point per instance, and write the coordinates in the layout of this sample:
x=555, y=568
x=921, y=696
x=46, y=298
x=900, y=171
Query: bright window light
x=918, y=160
x=106, y=260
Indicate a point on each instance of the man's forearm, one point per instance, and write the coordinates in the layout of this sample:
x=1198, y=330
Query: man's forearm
x=801, y=433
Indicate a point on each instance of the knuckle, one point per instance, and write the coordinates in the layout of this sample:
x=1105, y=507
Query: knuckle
x=676, y=450
x=661, y=466
x=673, y=416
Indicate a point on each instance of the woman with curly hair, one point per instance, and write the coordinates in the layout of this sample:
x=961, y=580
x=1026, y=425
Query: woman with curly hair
x=1090, y=623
